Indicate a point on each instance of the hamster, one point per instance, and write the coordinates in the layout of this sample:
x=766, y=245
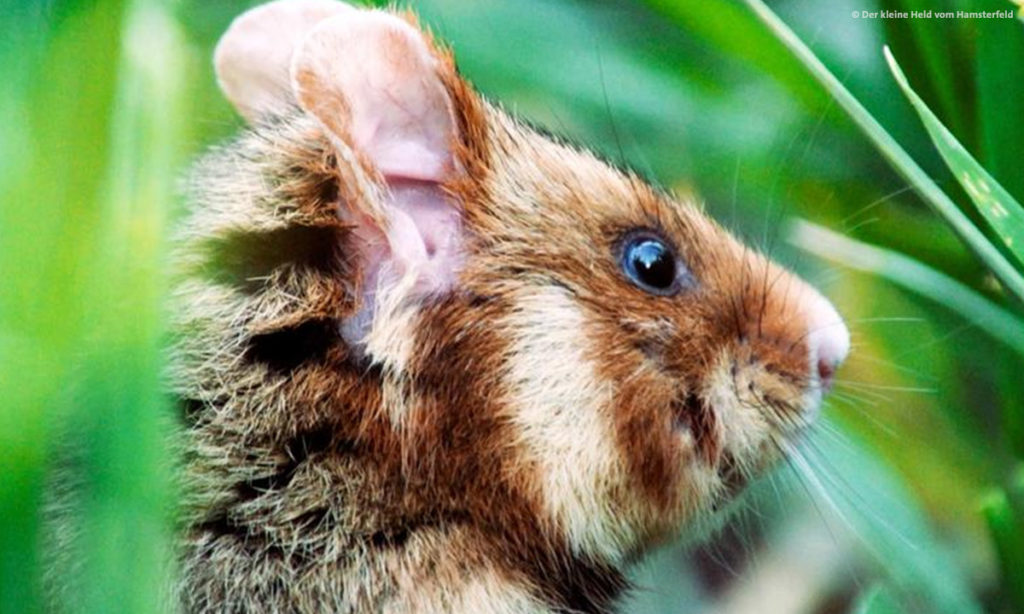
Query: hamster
x=432, y=360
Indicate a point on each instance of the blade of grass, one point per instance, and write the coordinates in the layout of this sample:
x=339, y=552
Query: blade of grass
x=725, y=25
x=1006, y=526
x=874, y=600
x=995, y=204
x=999, y=77
x=920, y=573
x=895, y=154
x=912, y=275
x=936, y=47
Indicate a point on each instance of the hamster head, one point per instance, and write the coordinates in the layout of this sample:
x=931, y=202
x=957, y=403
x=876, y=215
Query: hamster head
x=550, y=334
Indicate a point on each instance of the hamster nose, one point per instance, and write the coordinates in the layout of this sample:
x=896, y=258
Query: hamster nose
x=828, y=338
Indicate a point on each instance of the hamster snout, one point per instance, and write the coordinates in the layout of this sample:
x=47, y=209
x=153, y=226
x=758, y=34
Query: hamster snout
x=829, y=340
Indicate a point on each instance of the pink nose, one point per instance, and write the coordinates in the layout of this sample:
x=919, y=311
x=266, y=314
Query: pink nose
x=828, y=338
x=826, y=371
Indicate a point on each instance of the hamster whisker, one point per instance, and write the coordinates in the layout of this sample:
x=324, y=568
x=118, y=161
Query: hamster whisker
x=851, y=494
x=808, y=478
x=873, y=419
x=771, y=209
x=825, y=467
x=893, y=318
x=830, y=431
x=863, y=393
x=875, y=360
x=777, y=409
x=810, y=485
x=773, y=481
x=869, y=386
x=714, y=550
x=852, y=399
x=735, y=189
x=828, y=276
x=941, y=339
x=811, y=331
x=875, y=203
x=862, y=224
x=766, y=288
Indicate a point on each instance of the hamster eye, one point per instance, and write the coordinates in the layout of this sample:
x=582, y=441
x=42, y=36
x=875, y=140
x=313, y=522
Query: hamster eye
x=650, y=264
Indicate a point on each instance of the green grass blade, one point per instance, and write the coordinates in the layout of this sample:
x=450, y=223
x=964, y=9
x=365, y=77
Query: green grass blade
x=725, y=25
x=874, y=600
x=999, y=78
x=999, y=209
x=908, y=273
x=895, y=154
x=935, y=51
x=1006, y=526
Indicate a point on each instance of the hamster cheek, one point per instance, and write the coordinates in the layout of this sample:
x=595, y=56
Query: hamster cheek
x=560, y=409
x=731, y=391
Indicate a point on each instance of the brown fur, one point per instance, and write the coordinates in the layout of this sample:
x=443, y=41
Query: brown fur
x=319, y=480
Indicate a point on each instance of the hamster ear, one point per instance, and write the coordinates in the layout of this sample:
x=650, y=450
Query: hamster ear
x=373, y=81
x=375, y=84
x=253, y=58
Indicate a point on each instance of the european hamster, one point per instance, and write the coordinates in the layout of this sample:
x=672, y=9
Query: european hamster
x=435, y=361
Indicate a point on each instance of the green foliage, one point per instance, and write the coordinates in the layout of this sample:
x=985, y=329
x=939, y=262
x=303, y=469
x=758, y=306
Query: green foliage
x=104, y=101
x=902, y=162
x=1003, y=214
x=875, y=601
x=91, y=130
x=1005, y=519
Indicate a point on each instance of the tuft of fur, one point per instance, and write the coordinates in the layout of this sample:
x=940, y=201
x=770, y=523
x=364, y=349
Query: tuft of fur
x=507, y=446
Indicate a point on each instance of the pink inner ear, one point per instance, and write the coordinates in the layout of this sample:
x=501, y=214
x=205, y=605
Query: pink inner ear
x=424, y=239
x=404, y=126
x=395, y=110
x=425, y=234
x=373, y=82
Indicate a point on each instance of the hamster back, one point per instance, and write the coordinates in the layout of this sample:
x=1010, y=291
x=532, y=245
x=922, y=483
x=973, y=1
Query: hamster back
x=434, y=361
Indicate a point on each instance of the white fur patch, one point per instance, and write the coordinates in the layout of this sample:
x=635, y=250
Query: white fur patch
x=488, y=593
x=743, y=427
x=391, y=341
x=563, y=413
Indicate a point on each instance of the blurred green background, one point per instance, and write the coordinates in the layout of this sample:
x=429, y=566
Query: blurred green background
x=908, y=497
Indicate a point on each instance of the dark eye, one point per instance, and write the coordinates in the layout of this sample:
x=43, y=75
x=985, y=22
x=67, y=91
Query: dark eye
x=650, y=264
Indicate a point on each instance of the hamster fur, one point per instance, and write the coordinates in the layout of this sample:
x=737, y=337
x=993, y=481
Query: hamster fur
x=416, y=371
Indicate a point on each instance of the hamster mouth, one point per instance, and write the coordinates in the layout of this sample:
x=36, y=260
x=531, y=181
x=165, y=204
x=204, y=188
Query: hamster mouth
x=692, y=415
